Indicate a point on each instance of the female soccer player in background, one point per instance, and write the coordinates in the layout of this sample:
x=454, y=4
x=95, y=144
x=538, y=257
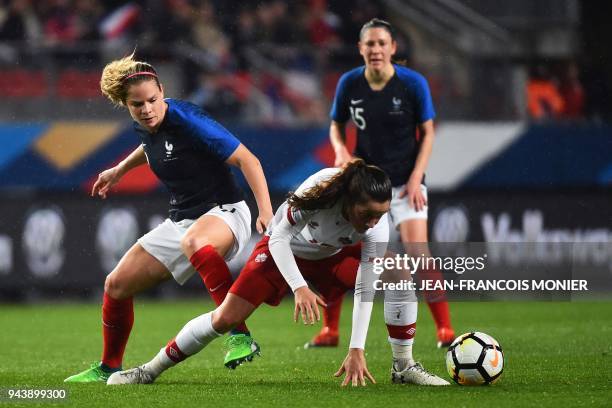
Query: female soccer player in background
x=209, y=222
x=328, y=232
x=388, y=104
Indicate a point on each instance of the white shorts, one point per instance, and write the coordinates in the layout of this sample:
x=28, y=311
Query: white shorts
x=164, y=241
x=400, y=210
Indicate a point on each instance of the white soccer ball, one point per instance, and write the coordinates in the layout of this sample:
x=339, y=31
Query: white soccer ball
x=475, y=359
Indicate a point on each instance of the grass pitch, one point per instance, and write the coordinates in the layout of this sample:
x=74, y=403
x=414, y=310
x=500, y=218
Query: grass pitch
x=557, y=354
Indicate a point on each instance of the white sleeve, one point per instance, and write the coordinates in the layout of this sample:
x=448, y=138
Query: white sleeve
x=374, y=245
x=362, y=310
x=290, y=224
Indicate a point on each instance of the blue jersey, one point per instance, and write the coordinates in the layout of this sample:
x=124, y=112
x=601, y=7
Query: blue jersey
x=386, y=120
x=188, y=154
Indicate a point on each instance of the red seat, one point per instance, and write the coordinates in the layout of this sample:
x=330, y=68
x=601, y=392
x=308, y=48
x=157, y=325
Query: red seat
x=21, y=83
x=75, y=84
x=239, y=83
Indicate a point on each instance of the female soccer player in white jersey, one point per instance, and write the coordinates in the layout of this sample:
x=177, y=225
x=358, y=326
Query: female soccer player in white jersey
x=388, y=104
x=331, y=228
x=208, y=223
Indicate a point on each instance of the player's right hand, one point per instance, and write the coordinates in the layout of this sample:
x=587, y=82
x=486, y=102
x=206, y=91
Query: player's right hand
x=355, y=369
x=106, y=180
x=307, y=305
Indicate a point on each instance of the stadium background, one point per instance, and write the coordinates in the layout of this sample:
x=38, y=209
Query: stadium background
x=523, y=150
x=520, y=89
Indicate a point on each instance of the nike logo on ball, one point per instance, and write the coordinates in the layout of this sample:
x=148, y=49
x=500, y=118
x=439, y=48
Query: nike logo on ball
x=495, y=360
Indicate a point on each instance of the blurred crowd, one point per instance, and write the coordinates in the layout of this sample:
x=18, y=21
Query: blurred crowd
x=251, y=58
x=553, y=96
x=217, y=25
x=269, y=61
x=567, y=90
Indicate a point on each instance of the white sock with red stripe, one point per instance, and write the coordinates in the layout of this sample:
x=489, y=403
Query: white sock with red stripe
x=192, y=338
x=401, y=310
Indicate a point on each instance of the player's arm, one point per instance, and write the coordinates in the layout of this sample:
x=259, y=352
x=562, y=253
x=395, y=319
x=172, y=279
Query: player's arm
x=306, y=301
x=250, y=166
x=337, y=137
x=354, y=365
x=413, y=186
x=108, y=178
x=339, y=115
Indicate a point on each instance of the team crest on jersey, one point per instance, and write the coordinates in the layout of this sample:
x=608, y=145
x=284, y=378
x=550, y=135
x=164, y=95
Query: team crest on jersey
x=397, y=105
x=261, y=258
x=169, y=148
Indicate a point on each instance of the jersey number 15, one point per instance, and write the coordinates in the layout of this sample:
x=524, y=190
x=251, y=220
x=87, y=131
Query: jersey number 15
x=357, y=115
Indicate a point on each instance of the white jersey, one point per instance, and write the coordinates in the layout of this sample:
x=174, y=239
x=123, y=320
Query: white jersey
x=320, y=234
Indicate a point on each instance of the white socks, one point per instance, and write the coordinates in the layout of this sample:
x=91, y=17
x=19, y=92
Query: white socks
x=160, y=363
x=192, y=338
x=401, y=308
x=402, y=356
x=196, y=335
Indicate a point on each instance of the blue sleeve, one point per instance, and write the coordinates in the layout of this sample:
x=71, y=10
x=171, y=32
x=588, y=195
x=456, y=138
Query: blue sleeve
x=339, y=110
x=425, y=109
x=213, y=135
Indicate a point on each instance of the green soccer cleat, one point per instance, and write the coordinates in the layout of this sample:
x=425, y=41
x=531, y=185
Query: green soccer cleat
x=95, y=373
x=240, y=348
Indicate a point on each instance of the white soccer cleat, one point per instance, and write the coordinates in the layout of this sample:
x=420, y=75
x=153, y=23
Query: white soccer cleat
x=138, y=375
x=415, y=374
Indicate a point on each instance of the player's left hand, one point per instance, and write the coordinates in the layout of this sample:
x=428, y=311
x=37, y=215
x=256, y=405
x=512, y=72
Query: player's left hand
x=412, y=189
x=355, y=369
x=262, y=221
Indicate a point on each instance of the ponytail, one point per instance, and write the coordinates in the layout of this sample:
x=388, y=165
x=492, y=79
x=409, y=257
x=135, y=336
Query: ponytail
x=118, y=75
x=356, y=183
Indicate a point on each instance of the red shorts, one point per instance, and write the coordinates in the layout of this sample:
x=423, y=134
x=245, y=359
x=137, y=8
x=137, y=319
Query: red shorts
x=260, y=280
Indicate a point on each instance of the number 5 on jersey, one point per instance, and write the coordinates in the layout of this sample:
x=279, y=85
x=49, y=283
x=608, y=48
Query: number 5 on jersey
x=357, y=115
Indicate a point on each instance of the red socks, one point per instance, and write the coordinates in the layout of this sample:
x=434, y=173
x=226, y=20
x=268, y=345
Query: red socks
x=331, y=313
x=216, y=276
x=436, y=300
x=440, y=313
x=214, y=272
x=117, y=322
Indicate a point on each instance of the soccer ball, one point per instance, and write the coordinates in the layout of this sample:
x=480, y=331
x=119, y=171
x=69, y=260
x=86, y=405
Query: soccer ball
x=475, y=359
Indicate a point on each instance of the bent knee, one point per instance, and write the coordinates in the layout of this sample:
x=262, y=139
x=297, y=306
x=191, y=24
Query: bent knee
x=116, y=287
x=190, y=244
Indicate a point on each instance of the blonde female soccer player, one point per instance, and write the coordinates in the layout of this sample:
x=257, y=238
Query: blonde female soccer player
x=208, y=222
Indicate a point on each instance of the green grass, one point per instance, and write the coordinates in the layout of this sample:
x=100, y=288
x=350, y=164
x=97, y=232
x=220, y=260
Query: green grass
x=557, y=354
